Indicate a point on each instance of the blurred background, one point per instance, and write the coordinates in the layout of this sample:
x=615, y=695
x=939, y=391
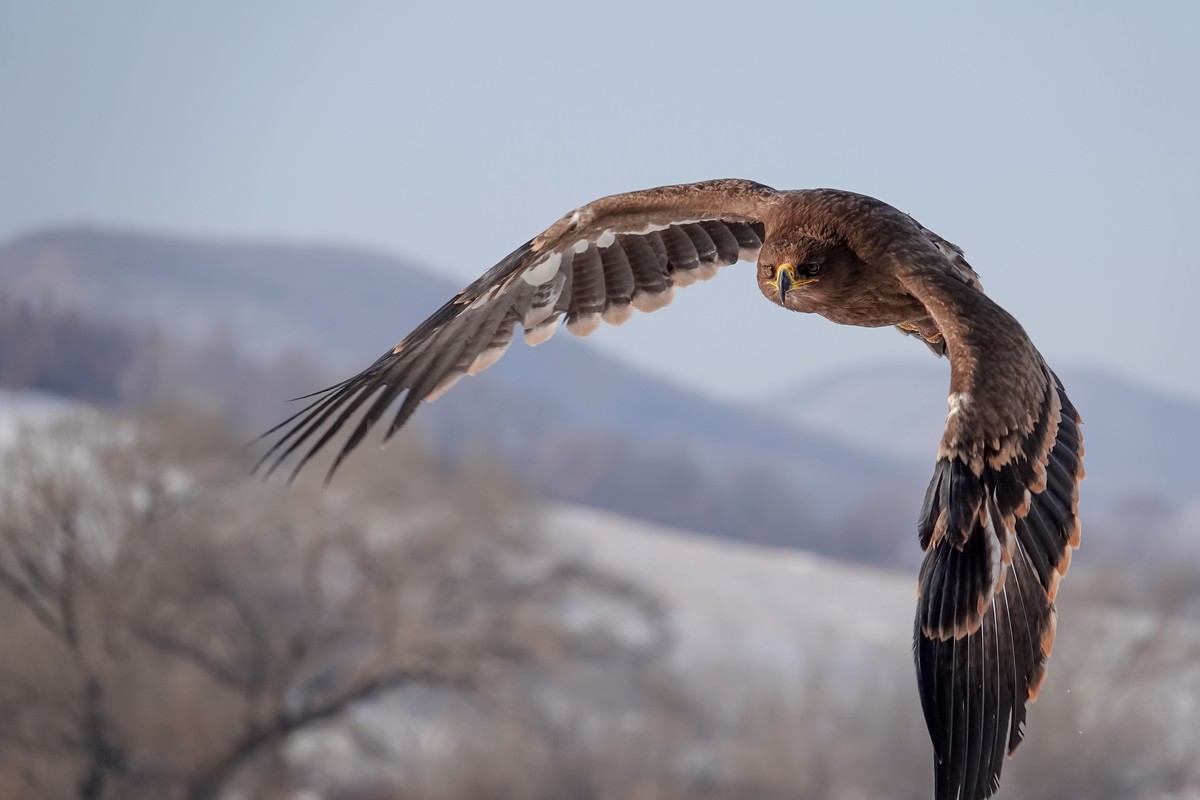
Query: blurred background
x=660, y=563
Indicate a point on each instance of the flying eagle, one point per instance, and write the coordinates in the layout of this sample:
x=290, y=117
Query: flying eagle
x=1000, y=517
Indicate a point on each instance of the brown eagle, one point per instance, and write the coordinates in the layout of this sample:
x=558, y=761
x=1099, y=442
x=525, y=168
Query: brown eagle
x=1000, y=517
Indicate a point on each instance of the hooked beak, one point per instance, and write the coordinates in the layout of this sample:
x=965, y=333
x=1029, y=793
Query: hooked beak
x=785, y=280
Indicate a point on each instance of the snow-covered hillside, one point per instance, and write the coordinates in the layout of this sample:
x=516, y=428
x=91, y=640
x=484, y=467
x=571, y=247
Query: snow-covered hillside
x=773, y=609
x=19, y=408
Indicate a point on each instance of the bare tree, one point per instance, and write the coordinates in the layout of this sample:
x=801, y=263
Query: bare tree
x=176, y=622
x=172, y=629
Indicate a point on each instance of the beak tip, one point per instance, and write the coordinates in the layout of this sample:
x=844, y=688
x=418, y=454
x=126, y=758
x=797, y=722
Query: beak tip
x=784, y=281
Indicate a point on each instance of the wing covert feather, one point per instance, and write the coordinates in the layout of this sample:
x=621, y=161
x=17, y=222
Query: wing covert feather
x=596, y=263
x=998, y=525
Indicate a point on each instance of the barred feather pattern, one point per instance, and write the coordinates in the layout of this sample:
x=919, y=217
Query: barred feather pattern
x=1000, y=518
x=981, y=640
x=600, y=276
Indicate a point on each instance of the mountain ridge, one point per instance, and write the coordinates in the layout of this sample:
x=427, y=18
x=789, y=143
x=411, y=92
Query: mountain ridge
x=836, y=463
x=1138, y=439
x=576, y=423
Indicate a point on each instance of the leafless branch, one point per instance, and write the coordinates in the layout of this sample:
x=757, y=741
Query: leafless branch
x=32, y=603
x=257, y=739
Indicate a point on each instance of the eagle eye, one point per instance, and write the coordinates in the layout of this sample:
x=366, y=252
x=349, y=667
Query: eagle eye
x=809, y=270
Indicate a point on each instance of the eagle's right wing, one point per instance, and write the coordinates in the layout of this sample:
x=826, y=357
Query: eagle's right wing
x=597, y=263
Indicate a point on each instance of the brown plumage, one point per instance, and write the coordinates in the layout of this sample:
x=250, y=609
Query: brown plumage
x=1000, y=517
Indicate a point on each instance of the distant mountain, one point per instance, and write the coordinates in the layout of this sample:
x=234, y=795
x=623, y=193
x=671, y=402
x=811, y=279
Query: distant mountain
x=579, y=425
x=844, y=478
x=342, y=306
x=1140, y=443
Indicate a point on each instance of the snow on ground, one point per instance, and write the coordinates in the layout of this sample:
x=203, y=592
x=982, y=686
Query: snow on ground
x=772, y=612
x=19, y=408
x=769, y=609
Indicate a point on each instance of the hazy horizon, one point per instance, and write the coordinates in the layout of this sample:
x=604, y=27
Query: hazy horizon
x=1055, y=144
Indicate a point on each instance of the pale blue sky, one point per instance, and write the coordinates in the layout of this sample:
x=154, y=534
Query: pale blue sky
x=1057, y=143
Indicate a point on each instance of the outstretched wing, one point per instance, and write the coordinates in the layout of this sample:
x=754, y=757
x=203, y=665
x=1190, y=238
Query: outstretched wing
x=998, y=524
x=597, y=263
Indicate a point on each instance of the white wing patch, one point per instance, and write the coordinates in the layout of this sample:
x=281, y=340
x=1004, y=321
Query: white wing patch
x=997, y=544
x=543, y=316
x=655, y=228
x=957, y=402
x=545, y=269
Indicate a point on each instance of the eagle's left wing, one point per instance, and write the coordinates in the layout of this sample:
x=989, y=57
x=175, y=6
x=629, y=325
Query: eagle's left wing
x=998, y=524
